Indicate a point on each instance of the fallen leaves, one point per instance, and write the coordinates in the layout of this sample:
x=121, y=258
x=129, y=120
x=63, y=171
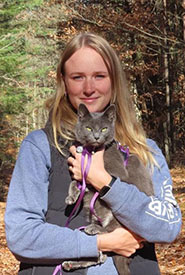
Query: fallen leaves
x=8, y=264
x=171, y=257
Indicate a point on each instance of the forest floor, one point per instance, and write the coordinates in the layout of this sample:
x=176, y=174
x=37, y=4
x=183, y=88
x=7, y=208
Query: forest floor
x=171, y=256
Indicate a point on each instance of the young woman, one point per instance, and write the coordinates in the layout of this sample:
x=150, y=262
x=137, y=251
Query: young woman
x=89, y=72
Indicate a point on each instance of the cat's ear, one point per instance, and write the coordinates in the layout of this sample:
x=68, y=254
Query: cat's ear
x=82, y=111
x=110, y=112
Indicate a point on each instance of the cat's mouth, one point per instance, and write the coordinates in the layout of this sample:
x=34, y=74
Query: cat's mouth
x=94, y=147
x=96, y=144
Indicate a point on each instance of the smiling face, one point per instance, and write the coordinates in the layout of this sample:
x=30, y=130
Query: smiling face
x=87, y=80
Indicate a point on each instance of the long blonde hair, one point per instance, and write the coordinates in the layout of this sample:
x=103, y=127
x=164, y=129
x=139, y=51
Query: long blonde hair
x=63, y=116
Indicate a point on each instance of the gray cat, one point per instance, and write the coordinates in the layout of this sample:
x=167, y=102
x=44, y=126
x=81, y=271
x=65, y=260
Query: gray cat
x=96, y=130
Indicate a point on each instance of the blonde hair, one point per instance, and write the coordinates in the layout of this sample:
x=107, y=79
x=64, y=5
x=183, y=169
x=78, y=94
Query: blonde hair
x=63, y=116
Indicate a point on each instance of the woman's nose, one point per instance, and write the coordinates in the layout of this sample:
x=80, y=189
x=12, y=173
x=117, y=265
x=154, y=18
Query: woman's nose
x=89, y=86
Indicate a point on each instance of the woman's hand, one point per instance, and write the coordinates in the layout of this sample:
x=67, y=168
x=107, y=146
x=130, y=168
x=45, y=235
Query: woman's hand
x=97, y=175
x=120, y=241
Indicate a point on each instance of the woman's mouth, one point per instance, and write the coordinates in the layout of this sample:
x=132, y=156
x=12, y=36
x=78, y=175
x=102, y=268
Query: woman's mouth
x=89, y=99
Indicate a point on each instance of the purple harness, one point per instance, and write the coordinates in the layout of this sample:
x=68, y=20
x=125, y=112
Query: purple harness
x=125, y=150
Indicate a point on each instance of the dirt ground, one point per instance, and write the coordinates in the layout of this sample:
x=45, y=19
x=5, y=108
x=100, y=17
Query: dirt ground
x=171, y=256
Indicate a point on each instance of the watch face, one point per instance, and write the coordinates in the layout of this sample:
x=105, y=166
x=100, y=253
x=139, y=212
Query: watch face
x=104, y=190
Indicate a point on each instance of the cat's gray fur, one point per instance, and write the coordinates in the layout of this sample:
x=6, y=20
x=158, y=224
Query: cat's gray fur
x=134, y=173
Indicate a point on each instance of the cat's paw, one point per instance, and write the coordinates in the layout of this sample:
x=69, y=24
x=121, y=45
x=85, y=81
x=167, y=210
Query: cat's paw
x=67, y=265
x=102, y=257
x=70, y=200
x=93, y=229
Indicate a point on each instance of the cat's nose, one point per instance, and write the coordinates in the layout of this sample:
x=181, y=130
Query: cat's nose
x=96, y=137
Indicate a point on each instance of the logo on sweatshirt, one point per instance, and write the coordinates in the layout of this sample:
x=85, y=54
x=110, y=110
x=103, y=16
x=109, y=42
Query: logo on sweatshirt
x=166, y=208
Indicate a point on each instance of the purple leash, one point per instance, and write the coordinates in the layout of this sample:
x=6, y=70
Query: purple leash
x=125, y=151
x=93, y=200
x=84, y=176
x=58, y=268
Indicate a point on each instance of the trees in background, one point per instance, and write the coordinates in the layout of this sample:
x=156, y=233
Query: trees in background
x=27, y=55
x=149, y=38
x=148, y=35
x=12, y=57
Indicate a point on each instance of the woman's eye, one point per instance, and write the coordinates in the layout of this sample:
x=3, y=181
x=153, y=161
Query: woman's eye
x=77, y=77
x=104, y=129
x=89, y=129
x=100, y=76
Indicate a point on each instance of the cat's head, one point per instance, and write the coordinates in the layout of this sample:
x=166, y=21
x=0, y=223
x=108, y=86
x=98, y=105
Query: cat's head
x=95, y=129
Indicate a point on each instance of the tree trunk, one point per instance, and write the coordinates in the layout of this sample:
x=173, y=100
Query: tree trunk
x=167, y=123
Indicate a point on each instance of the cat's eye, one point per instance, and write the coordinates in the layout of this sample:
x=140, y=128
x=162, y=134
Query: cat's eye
x=89, y=129
x=104, y=129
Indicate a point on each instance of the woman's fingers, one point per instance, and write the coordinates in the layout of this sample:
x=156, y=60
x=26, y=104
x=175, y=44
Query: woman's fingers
x=72, y=150
x=120, y=241
x=71, y=169
x=75, y=159
x=74, y=163
x=70, y=160
x=97, y=175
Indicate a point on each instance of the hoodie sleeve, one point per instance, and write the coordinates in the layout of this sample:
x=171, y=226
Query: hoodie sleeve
x=29, y=236
x=156, y=218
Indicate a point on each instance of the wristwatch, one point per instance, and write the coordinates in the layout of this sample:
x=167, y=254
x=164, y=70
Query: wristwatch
x=106, y=188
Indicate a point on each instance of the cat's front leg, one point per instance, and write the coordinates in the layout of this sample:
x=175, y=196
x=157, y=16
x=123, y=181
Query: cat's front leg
x=72, y=265
x=73, y=193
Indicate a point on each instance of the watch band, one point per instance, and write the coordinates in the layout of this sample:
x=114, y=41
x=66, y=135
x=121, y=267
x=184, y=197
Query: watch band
x=106, y=188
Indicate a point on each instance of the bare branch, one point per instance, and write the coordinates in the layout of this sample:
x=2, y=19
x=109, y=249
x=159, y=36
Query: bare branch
x=78, y=16
x=152, y=35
